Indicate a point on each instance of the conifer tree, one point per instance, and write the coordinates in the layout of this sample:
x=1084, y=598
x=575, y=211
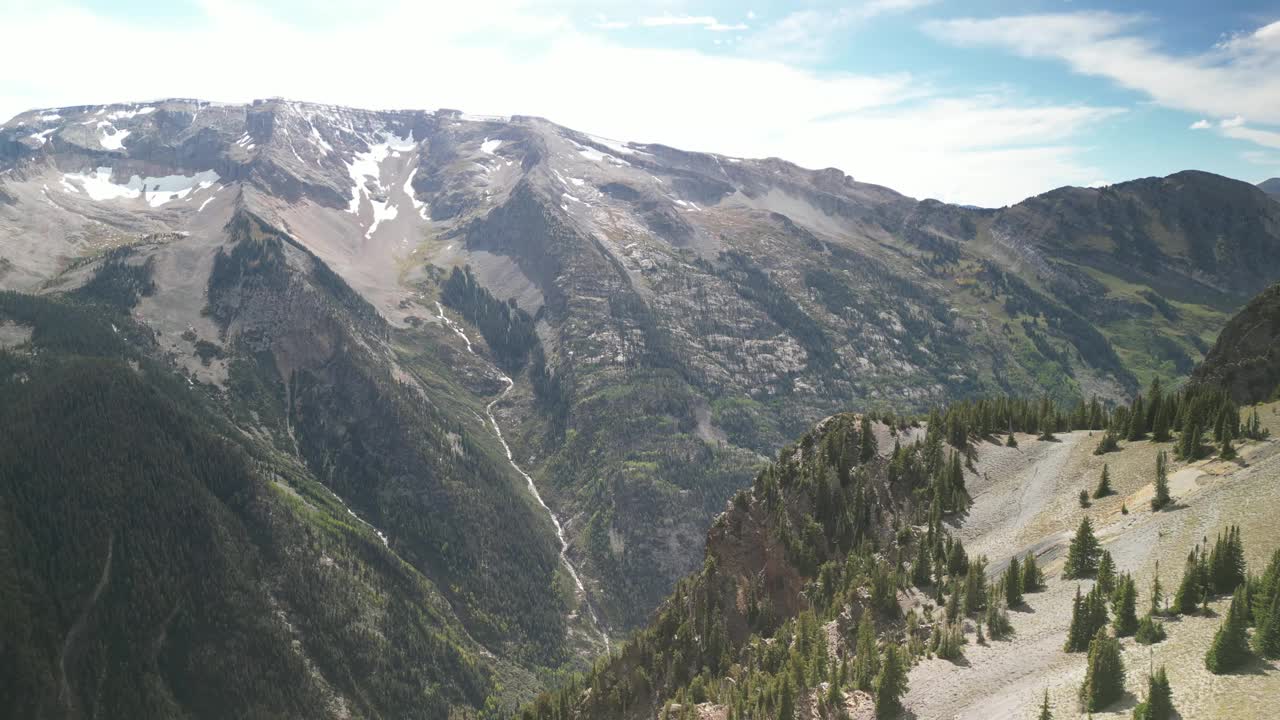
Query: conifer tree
x=1013, y=583
x=1126, y=614
x=1082, y=555
x=1159, y=702
x=1161, y=422
x=867, y=437
x=1105, y=576
x=1230, y=647
x=1012, y=441
x=1266, y=639
x=921, y=565
x=1104, y=484
x=1150, y=630
x=1032, y=580
x=866, y=660
x=786, y=700
x=1157, y=592
x=1189, y=442
x=1137, y=420
x=1088, y=615
x=1190, y=591
x=1161, y=497
x=891, y=683
x=1104, y=678
x=1045, y=713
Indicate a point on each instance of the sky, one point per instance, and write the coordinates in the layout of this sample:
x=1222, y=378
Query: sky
x=979, y=102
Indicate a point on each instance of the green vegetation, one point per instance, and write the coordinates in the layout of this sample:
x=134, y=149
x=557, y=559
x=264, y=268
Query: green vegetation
x=1230, y=648
x=1104, y=678
x=1159, y=702
x=1083, y=553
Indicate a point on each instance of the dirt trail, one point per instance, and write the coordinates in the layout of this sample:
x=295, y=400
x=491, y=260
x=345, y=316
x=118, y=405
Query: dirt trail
x=1026, y=499
x=77, y=629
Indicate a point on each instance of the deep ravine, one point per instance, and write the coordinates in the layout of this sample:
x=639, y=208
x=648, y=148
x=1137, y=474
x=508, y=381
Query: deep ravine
x=583, y=600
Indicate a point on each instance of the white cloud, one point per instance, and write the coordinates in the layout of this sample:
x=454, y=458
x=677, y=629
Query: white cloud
x=1231, y=122
x=705, y=21
x=1240, y=76
x=806, y=36
x=1265, y=138
x=1201, y=124
x=890, y=129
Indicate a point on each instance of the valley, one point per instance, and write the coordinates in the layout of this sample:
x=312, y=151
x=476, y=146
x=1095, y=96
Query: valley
x=497, y=405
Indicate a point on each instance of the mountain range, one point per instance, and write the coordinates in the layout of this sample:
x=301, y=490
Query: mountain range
x=484, y=382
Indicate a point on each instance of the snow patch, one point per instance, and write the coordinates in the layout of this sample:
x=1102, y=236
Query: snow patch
x=111, y=139
x=489, y=146
x=419, y=206
x=597, y=156
x=50, y=117
x=126, y=114
x=43, y=137
x=157, y=190
x=615, y=146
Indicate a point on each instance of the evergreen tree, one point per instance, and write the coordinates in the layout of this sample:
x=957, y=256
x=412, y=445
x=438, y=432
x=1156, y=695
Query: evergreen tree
x=1045, y=714
x=1032, y=580
x=1157, y=592
x=786, y=700
x=1105, y=576
x=868, y=447
x=1137, y=421
x=1104, y=483
x=891, y=683
x=1266, y=639
x=1107, y=444
x=1161, y=497
x=1161, y=422
x=1012, y=441
x=1082, y=556
x=1013, y=583
x=1084, y=498
x=866, y=660
x=1088, y=615
x=1104, y=678
x=1150, y=630
x=921, y=565
x=1190, y=591
x=1189, y=442
x=1226, y=562
x=1159, y=702
x=1230, y=647
x=1126, y=617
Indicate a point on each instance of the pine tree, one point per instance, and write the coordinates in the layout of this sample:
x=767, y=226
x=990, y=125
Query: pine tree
x=1013, y=583
x=1082, y=556
x=1105, y=576
x=1157, y=592
x=1190, y=591
x=866, y=660
x=921, y=566
x=868, y=446
x=1126, y=616
x=1137, y=421
x=1150, y=630
x=1189, y=442
x=1032, y=580
x=1161, y=497
x=786, y=700
x=1161, y=422
x=891, y=683
x=1266, y=639
x=1088, y=615
x=1045, y=714
x=1230, y=648
x=1159, y=702
x=1104, y=678
x=1012, y=441
x=1104, y=484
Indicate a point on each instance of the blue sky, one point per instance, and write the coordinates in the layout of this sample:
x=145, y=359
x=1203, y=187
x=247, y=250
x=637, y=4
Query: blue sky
x=971, y=102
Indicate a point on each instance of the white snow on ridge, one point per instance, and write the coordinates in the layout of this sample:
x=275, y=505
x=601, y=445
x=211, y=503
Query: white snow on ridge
x=126, y=114
x=597, y=156
x=42, y=137
x=49, y=117
x=157, y=190
x=489, y=146
x=615, y=146
x=367, y=166
x=418, y=205
x=112, y=139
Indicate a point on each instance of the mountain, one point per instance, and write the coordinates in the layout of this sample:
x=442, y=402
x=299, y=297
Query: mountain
x=538, y=361
x=1246, y=357
x=1270, y=187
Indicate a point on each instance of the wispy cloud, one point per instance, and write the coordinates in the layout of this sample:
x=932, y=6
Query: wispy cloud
x=705, y=21
x=807, y=36
x=1201, y=124
x=1235, y=79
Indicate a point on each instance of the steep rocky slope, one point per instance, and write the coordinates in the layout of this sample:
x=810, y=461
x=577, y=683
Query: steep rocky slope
x=1246, y=356
x=689, y=311
x=1270, y=187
